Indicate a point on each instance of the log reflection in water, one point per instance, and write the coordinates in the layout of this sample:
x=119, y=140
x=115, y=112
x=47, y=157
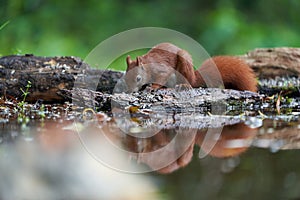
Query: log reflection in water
x=278, y=135
x=171, y=147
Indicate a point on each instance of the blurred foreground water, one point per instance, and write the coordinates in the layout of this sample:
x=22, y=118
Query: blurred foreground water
x=48, y=162
x=191, y=157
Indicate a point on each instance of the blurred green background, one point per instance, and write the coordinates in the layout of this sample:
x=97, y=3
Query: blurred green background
x=69, y=27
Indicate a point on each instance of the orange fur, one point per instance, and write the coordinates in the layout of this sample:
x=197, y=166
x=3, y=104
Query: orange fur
x=234, y=72
x=234, y=140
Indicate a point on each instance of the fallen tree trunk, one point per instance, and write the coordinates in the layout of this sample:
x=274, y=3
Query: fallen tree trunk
x=272, y=62
x=51, y=77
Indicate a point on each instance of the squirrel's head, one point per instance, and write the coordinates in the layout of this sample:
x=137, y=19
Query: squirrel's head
x=136, y=75
x=146, y=71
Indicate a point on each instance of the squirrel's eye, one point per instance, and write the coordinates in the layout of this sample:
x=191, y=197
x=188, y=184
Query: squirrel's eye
x=138, y=78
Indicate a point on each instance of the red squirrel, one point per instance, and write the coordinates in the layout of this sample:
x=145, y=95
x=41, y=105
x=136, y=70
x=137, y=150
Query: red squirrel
x=235, y=73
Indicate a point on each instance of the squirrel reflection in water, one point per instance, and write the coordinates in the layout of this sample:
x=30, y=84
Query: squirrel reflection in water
x=233, y=140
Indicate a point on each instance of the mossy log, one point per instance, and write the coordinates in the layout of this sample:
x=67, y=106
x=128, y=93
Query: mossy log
x=51, y=77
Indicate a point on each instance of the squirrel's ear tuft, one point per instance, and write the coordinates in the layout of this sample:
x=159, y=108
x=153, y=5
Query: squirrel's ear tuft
x=138, y=61
x=128, y=61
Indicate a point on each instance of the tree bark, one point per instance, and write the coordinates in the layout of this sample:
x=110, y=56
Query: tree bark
x=50, y=77
x=272, y=62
